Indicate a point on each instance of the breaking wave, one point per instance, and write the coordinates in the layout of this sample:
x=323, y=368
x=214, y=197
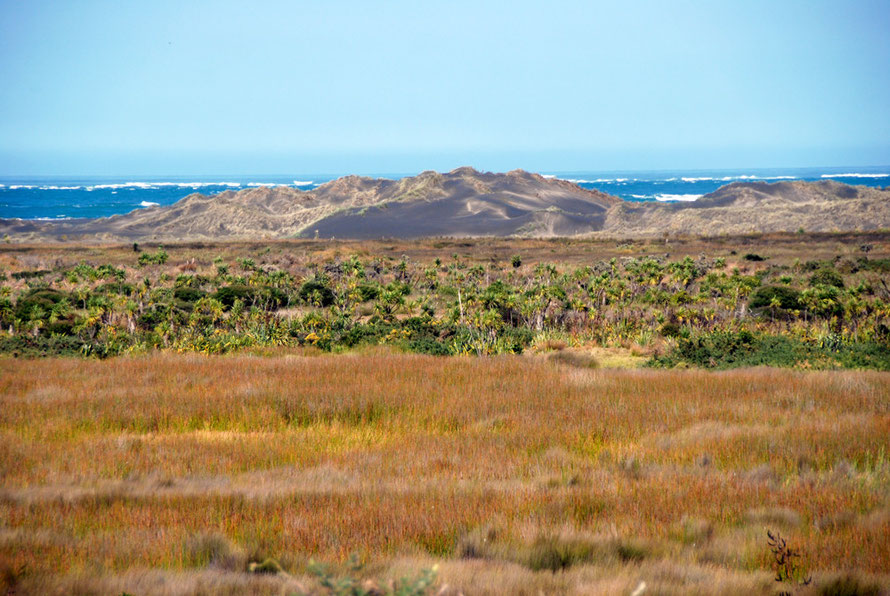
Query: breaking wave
x=596, y=181
x=150, y=185
x=855, y=175
x=677, y=197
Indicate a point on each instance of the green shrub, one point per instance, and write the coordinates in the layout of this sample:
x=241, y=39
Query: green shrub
x=155, y=258
x=41, y=346
x=315, y=291
x=186, y=294
x=429, y=346
x=229, y=294
x=827, y=277
x=788, y=298
x=671, y=329
x=398, y=288
x=737, y=349
x=59, y=327
x=824, y=301
x=270, y=297
x=880, y=265
x=368, y=291
x=112, y=287
x=153, y=317
x=364, y=333
x=30, y=274
x=43, y=299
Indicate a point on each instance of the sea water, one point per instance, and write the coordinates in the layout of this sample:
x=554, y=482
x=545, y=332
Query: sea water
x=72, y=197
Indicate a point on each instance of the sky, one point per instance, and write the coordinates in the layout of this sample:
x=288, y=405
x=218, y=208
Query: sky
x=189, y=87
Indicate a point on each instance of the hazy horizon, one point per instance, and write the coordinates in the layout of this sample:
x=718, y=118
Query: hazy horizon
x=826, y=171
x=101, y=88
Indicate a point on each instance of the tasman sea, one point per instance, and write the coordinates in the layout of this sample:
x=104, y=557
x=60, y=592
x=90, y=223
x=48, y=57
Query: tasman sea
x=88, y=197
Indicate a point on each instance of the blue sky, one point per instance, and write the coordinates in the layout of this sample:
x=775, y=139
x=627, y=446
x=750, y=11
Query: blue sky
x=367, y=87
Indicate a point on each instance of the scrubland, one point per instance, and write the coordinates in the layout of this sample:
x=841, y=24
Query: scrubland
x=488, y=416
x=818, y=302
x=514, y=474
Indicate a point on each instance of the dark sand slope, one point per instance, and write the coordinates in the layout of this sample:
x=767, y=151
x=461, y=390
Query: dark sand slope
x=465, y=202
x=469, y=203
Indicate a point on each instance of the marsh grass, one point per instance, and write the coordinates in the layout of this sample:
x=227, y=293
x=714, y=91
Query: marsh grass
x=199, y=466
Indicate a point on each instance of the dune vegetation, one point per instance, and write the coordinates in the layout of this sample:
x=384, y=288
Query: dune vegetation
x=611, y=430
x=717, y=309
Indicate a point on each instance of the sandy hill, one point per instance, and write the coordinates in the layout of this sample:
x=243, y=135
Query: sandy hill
x=745, y=207
x=465, y=202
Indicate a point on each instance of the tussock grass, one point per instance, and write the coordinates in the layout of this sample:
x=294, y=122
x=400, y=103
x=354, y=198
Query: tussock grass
x=196, y=467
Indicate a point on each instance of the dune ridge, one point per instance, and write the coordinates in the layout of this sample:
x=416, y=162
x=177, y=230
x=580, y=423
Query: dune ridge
x=466, y=202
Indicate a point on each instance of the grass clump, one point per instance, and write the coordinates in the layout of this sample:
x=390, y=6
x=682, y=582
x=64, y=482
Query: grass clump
x=350, y=584
x=216, y=551
x=848, y=585
x=267, y=565
x=553, y=553
x=574, y=359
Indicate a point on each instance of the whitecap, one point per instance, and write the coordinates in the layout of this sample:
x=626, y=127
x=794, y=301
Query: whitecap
x=20, y=186
x=196, y=184
x=598, y=180
x=120, y=185
x=548, y=176
x=265, y=184
x=304, y=182
x=677, y=197
x=856, y=175
x=157, y=185
x=148, y=204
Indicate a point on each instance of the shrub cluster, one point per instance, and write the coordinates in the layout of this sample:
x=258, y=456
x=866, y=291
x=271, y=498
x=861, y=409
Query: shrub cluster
x=697, y=312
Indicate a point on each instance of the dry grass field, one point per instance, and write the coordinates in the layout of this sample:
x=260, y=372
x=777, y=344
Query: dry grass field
x=781, y=248
x=168, y=474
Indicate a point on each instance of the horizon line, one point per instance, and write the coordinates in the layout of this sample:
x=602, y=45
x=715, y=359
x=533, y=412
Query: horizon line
x=345, y=172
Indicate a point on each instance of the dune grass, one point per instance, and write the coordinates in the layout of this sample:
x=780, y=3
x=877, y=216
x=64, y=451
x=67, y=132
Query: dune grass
x=192, y=467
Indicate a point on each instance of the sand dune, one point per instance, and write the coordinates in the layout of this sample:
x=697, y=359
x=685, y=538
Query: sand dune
x=466, y=202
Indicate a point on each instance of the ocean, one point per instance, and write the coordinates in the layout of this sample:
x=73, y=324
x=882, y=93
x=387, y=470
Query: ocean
x=73, y=197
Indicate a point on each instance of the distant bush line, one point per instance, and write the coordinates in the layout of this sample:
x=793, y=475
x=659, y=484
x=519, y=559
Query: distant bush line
x=705, y=312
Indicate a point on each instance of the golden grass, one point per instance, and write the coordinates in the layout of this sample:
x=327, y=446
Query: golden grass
x=110, y=469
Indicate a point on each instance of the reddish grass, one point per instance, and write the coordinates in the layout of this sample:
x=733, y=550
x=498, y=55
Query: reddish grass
x=110, y=466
